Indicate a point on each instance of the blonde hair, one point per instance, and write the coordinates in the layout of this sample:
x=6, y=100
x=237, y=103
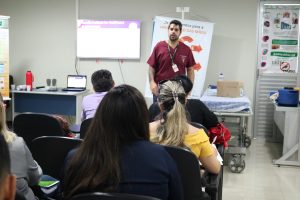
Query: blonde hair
x=8, y=135
x=173, y=125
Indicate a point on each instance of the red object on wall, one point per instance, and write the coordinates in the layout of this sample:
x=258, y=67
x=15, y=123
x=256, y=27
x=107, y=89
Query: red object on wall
x=197, y=66
x=29, y=79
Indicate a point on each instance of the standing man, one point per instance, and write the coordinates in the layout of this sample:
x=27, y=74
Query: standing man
x=102, y=82
x=170, y=58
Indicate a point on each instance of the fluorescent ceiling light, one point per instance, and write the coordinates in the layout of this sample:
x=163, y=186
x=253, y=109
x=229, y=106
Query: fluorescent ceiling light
x=281, y=4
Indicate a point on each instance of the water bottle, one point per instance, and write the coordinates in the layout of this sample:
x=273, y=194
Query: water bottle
x=29, y=79
x=221, y=77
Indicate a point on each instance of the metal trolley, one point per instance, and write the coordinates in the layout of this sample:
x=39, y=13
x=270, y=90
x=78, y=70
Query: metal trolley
x=234, y=113
x=237, y=122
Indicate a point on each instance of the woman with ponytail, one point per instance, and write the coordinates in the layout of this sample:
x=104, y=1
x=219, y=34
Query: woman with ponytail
x=173, y=128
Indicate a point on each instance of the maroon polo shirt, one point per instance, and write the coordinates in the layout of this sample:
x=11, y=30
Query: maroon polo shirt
x=161, y=61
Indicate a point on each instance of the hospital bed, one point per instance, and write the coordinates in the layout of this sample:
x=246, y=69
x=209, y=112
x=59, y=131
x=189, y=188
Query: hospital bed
x=234, y=113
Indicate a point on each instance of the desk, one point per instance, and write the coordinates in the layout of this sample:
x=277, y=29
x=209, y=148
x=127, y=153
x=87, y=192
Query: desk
x=42, y=101
x=287, y=121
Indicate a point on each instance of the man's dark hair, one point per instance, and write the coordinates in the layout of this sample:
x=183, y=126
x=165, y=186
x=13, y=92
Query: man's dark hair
x=5, y=159
x=177, y=23
x=102, y=80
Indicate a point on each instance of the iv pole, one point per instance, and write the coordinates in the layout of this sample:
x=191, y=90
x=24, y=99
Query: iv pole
x=182, y=10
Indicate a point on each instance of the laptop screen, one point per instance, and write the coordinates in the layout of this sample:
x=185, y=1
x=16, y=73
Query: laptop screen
x=76, y=81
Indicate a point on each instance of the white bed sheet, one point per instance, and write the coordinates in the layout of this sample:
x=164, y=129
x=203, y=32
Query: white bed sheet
x=225, y=104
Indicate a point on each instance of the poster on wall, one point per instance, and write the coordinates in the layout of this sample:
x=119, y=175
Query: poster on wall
x=195, y=34
x=4, y=56
x=279, y=45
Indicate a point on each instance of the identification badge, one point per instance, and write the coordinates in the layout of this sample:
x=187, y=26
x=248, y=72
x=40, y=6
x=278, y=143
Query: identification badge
x=175, y=68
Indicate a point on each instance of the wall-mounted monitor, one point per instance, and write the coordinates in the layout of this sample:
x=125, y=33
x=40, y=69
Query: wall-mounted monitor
x=111, y=39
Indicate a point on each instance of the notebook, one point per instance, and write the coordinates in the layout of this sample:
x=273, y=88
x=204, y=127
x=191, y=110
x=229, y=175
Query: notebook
x=76, y=83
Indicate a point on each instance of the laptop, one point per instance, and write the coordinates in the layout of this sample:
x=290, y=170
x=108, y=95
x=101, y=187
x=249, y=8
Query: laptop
x=76, y=83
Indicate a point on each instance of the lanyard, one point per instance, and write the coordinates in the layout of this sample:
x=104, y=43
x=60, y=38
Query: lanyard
x=172, y=56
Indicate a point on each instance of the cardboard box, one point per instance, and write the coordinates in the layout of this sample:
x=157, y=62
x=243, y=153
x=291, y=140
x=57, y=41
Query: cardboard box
x=230, y=89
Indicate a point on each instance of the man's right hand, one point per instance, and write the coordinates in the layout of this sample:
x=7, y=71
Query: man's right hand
x=154, y=88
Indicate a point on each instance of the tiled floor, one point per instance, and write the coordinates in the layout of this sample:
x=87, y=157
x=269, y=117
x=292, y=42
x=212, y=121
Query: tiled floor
x=261, y=180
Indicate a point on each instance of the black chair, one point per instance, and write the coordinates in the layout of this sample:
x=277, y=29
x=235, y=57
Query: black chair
x=50, y=152
x=111, y=196
x=199, y=126
x=189, y=170
x=84, y=127
x=214, y=183
x=33, y=125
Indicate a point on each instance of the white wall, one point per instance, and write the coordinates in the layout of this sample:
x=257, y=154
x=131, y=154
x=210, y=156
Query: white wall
x=42, y=37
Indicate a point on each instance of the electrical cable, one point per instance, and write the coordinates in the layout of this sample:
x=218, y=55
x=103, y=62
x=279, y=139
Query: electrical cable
x=120, y=67
x=76, y=61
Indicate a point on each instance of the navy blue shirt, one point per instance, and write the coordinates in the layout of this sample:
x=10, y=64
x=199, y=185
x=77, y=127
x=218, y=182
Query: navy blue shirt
x=147, y=169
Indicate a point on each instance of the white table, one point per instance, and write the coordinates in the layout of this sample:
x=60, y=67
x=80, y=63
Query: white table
x=50, y=102
x=288, y=121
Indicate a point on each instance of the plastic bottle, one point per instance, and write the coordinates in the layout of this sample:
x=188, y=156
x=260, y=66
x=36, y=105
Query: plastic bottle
x=29, y=79
x=221, y=77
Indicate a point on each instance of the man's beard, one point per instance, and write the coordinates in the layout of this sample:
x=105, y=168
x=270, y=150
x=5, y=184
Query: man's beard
x=173, y=38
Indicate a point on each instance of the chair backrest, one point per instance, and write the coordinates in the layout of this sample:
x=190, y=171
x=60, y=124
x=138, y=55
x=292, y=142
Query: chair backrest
x=189, y=170
x=33, y=125
x=111, y=196
x=197, y=125
x=85, y=124
x=50, y=152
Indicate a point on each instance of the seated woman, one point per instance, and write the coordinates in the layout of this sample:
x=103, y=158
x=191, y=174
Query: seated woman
x=173, y=128
x=197, y=110
x=117, y=156
x=28, y=172
x=65, y=125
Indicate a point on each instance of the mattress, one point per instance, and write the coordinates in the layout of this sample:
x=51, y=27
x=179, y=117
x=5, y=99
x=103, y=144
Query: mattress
x=225, y=104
